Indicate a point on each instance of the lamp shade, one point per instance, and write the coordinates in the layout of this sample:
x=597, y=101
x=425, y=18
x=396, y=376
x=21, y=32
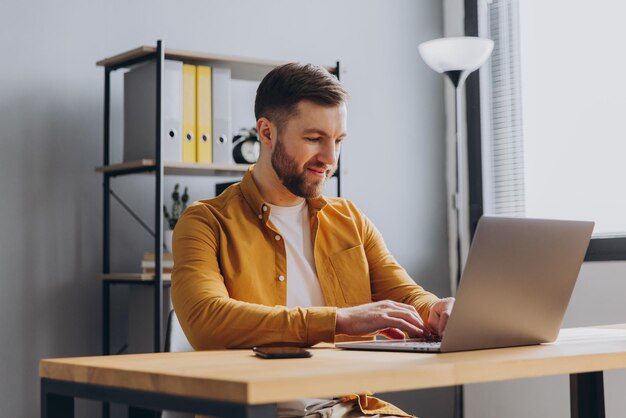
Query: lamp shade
x=464, y=54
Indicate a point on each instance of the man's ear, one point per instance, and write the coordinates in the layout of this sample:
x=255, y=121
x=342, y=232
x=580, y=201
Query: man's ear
x=266, y=131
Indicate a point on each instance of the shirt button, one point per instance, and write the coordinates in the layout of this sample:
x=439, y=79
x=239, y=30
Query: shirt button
x=260, y=216
x=277, y=237
x=264, y=208
x=281, y=278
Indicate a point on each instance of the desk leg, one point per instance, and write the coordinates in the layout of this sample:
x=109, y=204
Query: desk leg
x=262, y=411
x=587, y=395
x=134, y=412
x=54, y=405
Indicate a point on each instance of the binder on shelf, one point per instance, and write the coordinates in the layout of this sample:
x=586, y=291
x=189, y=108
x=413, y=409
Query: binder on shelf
x=140, y=112
x=222, y=132
x=189, y=113
x=242, y=93
x=204, y=114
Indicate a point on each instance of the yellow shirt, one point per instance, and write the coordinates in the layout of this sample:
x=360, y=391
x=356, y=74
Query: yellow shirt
x=229, y=282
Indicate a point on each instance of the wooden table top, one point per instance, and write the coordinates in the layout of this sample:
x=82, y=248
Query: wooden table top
x=239, y=376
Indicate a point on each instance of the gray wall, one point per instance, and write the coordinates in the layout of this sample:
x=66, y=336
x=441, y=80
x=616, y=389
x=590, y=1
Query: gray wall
x=51, y=96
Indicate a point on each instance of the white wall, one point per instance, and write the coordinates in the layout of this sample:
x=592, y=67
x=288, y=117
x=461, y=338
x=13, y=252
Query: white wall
x=51, y=98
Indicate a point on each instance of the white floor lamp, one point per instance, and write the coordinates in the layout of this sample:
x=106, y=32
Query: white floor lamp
x=457, y=58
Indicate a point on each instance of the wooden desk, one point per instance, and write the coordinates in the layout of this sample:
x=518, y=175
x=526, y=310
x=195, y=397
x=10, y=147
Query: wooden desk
x=236, y=383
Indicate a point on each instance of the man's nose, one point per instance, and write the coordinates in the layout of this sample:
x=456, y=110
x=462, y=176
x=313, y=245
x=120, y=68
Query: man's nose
x=329, y=153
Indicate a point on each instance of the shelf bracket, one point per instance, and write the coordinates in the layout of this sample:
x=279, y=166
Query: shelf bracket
x=132, y=213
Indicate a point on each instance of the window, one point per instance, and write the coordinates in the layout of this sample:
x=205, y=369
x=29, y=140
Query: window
x=552, y=107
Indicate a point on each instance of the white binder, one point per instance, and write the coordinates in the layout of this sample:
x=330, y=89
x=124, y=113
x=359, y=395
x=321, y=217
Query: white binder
x=222, y=131
x=242, y=93
x=140, y=112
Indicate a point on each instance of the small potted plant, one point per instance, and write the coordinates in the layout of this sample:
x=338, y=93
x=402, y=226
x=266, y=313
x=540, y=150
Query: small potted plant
x=179, y=203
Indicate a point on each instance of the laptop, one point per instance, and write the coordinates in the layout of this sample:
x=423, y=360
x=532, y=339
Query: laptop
x=517, y=282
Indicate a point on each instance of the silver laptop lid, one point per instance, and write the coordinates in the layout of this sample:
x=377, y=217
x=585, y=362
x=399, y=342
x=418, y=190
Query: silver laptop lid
x=517, y=283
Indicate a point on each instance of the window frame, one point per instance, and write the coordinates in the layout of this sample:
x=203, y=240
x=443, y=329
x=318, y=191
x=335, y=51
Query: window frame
x=600, y=249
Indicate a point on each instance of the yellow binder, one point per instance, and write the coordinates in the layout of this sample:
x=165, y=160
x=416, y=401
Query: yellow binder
x=204, y=115
x=189, y=113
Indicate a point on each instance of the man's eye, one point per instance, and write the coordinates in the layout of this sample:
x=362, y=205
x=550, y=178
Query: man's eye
x=316, y=139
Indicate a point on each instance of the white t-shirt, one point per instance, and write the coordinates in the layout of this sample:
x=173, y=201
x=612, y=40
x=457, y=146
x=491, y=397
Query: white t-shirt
x=303, y=286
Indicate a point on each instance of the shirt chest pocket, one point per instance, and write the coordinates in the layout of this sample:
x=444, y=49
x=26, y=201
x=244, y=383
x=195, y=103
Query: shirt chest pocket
x=352, y=272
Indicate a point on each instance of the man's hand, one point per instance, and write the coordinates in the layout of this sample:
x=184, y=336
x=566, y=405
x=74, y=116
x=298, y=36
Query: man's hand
x=439, y=314
x=374, y=318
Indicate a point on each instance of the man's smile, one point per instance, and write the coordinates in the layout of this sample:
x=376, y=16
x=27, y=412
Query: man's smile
x=317, y=171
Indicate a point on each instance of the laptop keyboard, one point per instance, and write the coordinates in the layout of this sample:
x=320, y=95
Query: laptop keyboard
x=423, y=344
x=433, y=339
x=427, y=345
x=418, y=341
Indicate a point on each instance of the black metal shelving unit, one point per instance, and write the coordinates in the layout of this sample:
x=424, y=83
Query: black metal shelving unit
x=242, y=68
x=157, y=168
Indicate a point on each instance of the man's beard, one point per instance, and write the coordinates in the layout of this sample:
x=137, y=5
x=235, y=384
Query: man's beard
x=295, y=180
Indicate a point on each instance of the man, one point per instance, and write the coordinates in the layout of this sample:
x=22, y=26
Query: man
x=272, y=261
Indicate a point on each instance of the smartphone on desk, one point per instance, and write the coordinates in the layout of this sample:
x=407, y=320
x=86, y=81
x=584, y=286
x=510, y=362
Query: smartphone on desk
x=281, y=352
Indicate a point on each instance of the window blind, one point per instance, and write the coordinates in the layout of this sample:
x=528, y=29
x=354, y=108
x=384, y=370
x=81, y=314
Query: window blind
x=501, y=107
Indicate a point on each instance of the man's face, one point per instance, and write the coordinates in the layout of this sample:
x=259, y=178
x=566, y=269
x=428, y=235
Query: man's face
x=307, y=148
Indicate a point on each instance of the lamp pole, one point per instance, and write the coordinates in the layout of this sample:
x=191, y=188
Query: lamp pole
x=457, y=58
x=459, y=199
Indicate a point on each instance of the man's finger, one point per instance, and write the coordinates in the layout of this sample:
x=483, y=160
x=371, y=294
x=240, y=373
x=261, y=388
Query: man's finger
x=411, y=317
x=402, y=309
x=393, y=334
x=433, y=322
x=405, y=326
x=445, y=315
x=443, y=321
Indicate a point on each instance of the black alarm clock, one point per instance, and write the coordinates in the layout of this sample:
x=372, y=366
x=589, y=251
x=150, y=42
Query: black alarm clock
x=246, y=147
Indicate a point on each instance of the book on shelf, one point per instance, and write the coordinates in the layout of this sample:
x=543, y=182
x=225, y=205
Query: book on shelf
x=149, y=256
x=147, y=270
x=147, y=264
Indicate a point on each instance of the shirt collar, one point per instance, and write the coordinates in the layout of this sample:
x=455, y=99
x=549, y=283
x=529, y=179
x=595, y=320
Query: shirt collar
x=252, y=195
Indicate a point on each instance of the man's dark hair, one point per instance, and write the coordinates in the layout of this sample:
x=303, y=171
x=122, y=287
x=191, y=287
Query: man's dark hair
x=285, y=86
